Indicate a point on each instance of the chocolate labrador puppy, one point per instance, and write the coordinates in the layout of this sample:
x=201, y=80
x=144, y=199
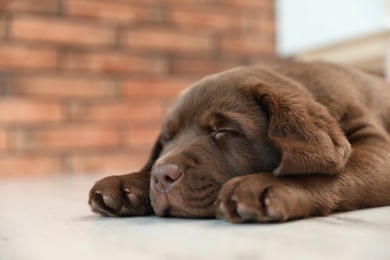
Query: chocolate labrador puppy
x=266, y=143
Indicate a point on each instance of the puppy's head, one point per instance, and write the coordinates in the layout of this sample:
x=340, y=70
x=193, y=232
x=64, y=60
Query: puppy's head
x=223, y=127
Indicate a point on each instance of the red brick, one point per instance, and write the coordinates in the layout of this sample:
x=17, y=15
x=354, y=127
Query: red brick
x=261, y=23
x=219, y=19
x=185, y=3
x=20, y=110
x=113, y=63
x=122, y=111
x=267, y=26
x=109, y=163
x=16, y=57
x=248, y=4
x=247, y=45
x=200, y=66
x=29, y=165
x=66, y=138
x=148, y=88
x=168, y=40
x=3, y=140
x=203, y=18
x=153, y=3
x=111, y=11
x=50, y=86
x=60, y=31
x=2, y=27
x=142, y=137
x=42, y=6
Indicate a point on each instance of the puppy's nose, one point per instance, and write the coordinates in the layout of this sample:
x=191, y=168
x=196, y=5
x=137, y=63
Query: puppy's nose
x=165, y=176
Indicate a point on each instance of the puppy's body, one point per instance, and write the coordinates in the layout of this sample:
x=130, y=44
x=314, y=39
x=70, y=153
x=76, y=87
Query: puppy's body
x=343, y=89
x=267, y=143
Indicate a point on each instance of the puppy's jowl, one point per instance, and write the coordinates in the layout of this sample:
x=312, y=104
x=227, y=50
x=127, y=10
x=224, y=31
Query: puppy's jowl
x=259, y=144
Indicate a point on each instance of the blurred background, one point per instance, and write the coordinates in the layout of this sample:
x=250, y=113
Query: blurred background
x=85, y=84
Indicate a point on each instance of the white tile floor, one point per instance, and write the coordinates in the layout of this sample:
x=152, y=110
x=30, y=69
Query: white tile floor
x=49, y=219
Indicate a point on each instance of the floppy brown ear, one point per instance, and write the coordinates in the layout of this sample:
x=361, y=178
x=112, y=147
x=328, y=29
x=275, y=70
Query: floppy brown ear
x=310, y=139
x=156, y=151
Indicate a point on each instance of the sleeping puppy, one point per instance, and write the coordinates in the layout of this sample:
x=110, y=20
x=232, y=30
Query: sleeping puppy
x=267, y=143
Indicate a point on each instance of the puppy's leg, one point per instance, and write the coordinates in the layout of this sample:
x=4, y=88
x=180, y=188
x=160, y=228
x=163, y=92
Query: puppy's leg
x=124, y=195
x=364, y=182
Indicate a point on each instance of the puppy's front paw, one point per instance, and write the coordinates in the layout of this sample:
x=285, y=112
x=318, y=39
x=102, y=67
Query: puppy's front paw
x=253, y=198
x=125, y=195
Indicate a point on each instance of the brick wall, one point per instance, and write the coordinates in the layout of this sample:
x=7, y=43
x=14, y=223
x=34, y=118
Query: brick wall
x=84, y=84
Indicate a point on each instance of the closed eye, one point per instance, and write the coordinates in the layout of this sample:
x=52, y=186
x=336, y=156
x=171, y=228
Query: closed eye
x=222, y=133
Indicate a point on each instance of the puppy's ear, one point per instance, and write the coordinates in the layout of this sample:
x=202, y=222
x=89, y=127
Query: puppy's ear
x=156, y=151
x=310, y=139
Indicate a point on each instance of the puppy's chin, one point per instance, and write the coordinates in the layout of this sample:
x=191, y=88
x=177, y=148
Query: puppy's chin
x=172, y=205
x=159, y=203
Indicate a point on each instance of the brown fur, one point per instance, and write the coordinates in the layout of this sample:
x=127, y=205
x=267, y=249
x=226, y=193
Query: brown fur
x=265, y=143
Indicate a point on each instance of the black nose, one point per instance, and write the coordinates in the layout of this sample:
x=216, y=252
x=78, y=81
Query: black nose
x=165, y=176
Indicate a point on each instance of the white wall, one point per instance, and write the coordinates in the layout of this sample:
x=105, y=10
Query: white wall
x=308, y=24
